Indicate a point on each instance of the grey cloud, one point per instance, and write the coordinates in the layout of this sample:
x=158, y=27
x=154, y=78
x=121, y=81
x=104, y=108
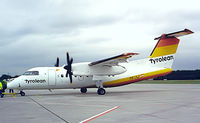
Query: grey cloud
x=28, y=18
x=33, y=33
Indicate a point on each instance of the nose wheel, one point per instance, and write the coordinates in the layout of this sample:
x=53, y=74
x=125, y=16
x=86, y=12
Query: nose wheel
x=22, y=93
x=2, y=93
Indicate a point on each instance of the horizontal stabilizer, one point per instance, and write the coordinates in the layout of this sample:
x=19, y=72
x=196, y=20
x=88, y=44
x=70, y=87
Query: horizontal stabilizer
x=176, y=34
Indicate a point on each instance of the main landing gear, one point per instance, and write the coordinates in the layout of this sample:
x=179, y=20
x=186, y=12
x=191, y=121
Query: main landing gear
x=99, y=85
x=83, y=90
x=101, y=91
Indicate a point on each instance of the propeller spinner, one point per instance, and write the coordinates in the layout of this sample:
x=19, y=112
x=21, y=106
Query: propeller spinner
x=68, y=67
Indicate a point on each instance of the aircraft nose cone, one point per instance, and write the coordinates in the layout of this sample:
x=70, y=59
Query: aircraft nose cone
x=12, y=85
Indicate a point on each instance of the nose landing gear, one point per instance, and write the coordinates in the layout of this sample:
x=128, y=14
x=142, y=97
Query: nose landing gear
x=22, y=93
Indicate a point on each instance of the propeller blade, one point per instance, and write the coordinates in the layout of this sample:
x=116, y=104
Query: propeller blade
x=68, y=62
x=67, y=74
x=65, y=67
x=57, y=62
x=68, y=67
x=70, y=77
x=71, y=61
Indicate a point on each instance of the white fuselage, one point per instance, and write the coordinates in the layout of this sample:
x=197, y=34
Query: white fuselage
x=86, y=76
x=109, y=72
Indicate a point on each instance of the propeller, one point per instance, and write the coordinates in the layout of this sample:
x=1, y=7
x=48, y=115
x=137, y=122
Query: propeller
x=68, y=67
x=57, y=62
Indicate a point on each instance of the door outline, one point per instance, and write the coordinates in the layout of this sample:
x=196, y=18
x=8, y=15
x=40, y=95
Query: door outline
x=51, y=77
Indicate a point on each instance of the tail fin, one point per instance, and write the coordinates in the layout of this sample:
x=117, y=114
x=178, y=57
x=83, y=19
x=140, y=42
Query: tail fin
x=165, y=49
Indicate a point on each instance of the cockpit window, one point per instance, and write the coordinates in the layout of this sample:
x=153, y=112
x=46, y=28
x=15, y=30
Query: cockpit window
x=31, y=73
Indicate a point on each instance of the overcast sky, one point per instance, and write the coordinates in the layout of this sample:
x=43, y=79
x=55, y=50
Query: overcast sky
x=34, y=32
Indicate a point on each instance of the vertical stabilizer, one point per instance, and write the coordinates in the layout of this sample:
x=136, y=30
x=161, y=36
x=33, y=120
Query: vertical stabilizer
x=164, y=52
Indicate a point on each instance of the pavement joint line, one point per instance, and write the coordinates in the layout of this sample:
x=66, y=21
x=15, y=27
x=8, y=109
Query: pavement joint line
x=81, y=105
x=158, y=117
x=48, y=110
x=100, y=114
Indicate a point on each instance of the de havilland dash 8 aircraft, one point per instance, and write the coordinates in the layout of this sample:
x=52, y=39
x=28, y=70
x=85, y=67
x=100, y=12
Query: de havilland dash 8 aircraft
x=111, y=72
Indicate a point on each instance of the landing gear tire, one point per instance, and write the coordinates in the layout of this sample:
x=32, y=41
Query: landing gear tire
x=101, y=91
x=2, y=95
x=22, y=93
x=83, y=90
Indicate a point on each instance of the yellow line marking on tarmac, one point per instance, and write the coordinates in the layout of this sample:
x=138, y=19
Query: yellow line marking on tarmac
x=12, y=94
x=64, y=104
x=39, y=95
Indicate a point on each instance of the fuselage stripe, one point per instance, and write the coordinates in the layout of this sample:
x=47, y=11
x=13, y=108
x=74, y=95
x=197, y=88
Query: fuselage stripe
x=137, y=78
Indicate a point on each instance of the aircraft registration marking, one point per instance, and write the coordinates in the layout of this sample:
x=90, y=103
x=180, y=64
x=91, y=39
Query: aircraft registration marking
x=136, y=77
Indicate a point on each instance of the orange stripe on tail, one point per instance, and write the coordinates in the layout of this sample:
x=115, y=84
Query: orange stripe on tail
x=165, y=46
x=168, y=43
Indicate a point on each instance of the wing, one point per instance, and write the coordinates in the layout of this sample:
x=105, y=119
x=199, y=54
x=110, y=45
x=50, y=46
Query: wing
x=113, y=61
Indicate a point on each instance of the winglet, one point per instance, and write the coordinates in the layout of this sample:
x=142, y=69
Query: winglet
x=176, y=34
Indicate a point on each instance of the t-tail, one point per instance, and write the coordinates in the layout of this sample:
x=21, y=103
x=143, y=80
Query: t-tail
x=164, y=52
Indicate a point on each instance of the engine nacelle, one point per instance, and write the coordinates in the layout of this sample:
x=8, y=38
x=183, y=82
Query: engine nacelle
x=84, y=69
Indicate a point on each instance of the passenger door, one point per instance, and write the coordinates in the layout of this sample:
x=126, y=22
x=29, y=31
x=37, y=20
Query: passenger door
x=52, y=77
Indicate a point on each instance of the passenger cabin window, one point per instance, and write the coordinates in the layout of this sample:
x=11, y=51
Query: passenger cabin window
x=31, y=73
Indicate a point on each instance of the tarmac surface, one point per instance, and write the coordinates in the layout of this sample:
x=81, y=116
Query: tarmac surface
x=135, y=103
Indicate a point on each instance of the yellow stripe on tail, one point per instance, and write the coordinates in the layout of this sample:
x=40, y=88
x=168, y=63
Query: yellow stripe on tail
x=168, y=43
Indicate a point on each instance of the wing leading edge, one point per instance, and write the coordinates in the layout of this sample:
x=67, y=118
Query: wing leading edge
x=113, y=61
